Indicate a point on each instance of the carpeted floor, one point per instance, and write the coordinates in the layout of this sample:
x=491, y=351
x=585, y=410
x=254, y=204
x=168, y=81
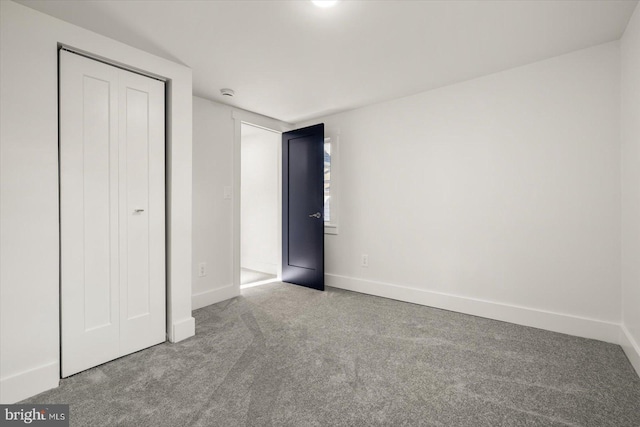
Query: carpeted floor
x=283, y=355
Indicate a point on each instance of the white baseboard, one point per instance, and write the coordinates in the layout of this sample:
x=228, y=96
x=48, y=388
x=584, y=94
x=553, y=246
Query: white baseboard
x=556, y=322
x=631, y=348
x=183, y=329
x=213, y=296
x=29, y=383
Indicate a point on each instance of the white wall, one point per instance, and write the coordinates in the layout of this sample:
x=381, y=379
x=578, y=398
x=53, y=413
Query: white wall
x=499, y=196
x=29, y=258
x=630, y=48
x=260, y=215
x=213, y=136
x=216, y=221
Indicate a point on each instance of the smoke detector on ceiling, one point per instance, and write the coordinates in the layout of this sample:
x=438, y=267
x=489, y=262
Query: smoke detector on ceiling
x=227, y=92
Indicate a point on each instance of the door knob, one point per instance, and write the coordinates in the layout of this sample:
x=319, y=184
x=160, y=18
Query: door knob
x=138, y=210
x=315, y=215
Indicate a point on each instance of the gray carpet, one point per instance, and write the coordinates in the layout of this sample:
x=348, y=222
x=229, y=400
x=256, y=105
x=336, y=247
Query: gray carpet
x=284, y=355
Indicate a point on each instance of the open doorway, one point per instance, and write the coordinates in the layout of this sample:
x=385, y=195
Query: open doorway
x=260, y=206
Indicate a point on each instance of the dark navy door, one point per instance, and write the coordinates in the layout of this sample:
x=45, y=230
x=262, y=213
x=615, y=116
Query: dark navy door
x=302, y=207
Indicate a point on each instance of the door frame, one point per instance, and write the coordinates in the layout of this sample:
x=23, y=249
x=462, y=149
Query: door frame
x=72, y=60
x=179, y=322
x=278, y=171
x=273, y=125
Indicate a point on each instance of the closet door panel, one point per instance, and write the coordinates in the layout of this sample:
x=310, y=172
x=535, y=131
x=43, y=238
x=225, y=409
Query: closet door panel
x=142, y=285
x=89, y=213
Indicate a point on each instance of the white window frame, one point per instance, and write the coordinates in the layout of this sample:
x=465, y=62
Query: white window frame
x=332, y=226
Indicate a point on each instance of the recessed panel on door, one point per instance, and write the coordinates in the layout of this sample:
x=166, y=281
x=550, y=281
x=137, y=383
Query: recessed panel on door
x=306, y=233
x=98, y=183
x=136, y=121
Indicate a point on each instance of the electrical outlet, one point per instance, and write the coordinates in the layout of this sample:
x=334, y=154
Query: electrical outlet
x=202, y=269
x=365, y=260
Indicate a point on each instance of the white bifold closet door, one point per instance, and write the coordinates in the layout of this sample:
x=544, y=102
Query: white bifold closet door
x=112, y=212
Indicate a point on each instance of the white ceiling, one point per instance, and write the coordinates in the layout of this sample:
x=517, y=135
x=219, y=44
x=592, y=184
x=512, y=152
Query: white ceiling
x=293, y=61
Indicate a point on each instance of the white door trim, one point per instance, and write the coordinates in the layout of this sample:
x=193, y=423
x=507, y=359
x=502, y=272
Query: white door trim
x=269, y=124
x=110, y=62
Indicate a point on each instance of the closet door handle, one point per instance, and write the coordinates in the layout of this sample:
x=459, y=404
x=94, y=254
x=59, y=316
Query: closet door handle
x=138, y=210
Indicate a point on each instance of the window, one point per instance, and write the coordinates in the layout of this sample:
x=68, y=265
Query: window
x=327, y=180
x=330, y=193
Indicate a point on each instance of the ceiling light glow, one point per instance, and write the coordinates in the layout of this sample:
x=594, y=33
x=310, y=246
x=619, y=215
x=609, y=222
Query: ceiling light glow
x=324, y=3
